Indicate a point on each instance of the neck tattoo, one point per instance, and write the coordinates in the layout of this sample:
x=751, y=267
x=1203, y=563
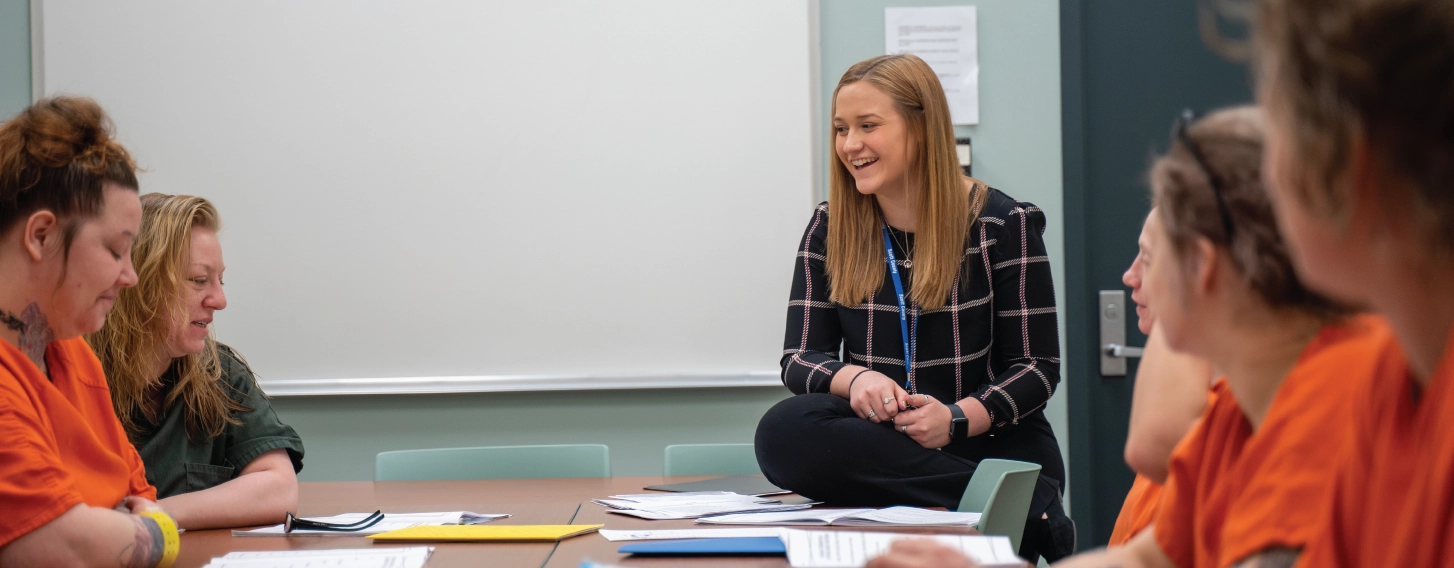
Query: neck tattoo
x=34, y=330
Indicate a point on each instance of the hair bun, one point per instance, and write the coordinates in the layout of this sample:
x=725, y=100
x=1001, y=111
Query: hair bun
x=57, y=154
x=62, y=130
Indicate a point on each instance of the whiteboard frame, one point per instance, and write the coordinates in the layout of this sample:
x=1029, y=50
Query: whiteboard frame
x=519, y=383
x=514, y=383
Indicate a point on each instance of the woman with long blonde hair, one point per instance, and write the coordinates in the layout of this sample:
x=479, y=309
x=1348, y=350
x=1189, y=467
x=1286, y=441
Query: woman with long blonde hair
x=212, y=444
x=937, y=289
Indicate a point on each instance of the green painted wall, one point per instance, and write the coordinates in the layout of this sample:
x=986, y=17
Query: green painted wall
x=343, y=433
x=14, y=57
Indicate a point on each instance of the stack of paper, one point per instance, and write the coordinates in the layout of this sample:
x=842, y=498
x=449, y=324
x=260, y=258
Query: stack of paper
x=675, y=534
x=391, y=522
x=500, y=533
x=844, y=549
x=391, y=557
x=691, y=505
x=890, y=517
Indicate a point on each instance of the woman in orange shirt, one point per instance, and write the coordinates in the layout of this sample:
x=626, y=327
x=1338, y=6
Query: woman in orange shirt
x=1169, y=396
x=1220, y=283
x=1360, y=103
x=74, y=490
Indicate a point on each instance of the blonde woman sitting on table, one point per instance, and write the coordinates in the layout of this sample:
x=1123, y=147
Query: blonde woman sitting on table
x=212, y=444
x=922, y=318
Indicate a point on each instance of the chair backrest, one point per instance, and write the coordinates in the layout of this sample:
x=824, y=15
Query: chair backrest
x=710, y=459
x=1000, y=491
x=495, y=462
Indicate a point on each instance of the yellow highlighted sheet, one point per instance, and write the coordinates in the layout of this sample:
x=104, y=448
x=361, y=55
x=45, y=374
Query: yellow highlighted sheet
x=486, y=533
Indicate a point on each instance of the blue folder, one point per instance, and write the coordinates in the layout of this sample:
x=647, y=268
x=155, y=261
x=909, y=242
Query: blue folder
x=766, y=545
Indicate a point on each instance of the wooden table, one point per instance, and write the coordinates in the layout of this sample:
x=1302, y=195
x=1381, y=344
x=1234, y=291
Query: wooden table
x=530, y=501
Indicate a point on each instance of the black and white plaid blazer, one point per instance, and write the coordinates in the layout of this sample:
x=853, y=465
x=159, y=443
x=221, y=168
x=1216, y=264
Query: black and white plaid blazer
x=995, y=340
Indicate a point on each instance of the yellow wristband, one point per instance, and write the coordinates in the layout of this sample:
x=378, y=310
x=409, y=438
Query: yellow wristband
x=170, y=539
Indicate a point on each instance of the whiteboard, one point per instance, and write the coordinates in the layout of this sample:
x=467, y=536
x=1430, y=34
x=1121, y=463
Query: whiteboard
x=435, y=196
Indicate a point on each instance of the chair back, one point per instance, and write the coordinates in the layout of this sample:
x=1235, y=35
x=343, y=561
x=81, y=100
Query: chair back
x=494, y=462
x=710, y=459
x=1001, y=491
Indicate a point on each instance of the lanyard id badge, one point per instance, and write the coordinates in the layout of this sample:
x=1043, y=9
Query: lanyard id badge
x=903, y=313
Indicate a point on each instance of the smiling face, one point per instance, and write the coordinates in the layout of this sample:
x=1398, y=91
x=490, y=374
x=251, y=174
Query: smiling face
x=1135, y=276
x=870, y=139
x=203, y=294
x=97, y=266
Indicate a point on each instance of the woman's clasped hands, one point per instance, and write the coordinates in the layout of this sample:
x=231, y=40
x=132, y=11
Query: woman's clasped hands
x=877, y=398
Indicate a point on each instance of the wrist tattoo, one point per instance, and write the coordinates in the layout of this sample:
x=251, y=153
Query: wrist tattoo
x=147, y=546
x=35, y=332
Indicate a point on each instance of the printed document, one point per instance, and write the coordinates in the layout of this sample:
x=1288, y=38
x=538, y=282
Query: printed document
x=844, y=549
x=945, y=38
x=382, y=557
x=676, y=534
x=890, y=517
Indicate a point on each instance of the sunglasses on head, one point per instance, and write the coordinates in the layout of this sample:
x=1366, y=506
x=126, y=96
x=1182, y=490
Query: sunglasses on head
x=291, y=523
x=1183, y=122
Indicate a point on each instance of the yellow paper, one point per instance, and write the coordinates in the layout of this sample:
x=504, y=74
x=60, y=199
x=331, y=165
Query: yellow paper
x=486, y=533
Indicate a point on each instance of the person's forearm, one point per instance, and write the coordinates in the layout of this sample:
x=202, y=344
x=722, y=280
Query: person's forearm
x=259, y=498
x=843, y=378
x=1169, y=396
x=979, y=418
x=88, y=536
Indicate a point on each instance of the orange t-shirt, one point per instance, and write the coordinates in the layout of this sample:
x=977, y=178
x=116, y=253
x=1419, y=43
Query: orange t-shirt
x=1138, y=511
x=1393, y=504
x=63, y=445
x=1233, y=492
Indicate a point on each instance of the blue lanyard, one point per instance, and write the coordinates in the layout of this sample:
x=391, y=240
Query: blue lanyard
x=903, y=313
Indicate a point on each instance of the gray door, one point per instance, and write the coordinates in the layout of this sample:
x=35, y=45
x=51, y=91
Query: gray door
x=1127, y=68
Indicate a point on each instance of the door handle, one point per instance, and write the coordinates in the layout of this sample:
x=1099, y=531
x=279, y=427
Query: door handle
x=1114, y=351
x=1123, y=351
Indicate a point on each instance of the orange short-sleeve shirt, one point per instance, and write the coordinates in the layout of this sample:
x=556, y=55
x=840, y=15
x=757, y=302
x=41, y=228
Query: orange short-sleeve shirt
x=63, y=445
x=1233, y=491
x=1138, y=511
x=1394, y=498
x=1142, y=501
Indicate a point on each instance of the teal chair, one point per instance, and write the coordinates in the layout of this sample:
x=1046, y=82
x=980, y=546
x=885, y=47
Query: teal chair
x=1000, y=491
x=710, y=459
x=496, y=462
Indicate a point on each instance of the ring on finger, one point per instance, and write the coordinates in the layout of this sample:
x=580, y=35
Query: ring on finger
x=904, y=429
x=870, y=414
x=888, y=399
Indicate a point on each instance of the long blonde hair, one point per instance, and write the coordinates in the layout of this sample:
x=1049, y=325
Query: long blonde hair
x=856, y=260
x=139, y=324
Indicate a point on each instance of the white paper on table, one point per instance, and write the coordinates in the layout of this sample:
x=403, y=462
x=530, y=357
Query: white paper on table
x=649, y=500
x=892, y=516
x=391, y=522
x=674, y=534
x=811, y=517
x=694, y=510
x=945, y=37
x=845, y=549
x=910, y=516
x=383, y=557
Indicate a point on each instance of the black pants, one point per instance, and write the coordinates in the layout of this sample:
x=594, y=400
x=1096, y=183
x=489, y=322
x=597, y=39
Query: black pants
x=816, y=446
